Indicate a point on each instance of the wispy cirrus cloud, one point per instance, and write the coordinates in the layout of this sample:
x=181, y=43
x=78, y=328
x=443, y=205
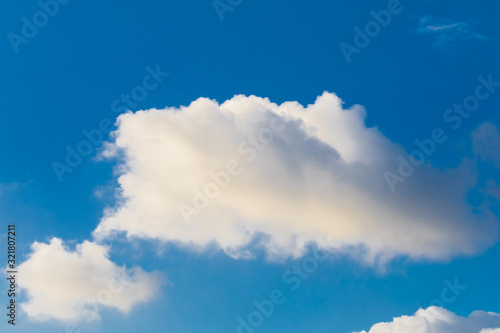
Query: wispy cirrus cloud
x=486, y=139
x=446, y=33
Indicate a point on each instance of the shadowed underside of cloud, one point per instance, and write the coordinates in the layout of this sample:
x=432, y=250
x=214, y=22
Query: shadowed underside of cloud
x=224, y=174
x=74, y=285
x=439, y=320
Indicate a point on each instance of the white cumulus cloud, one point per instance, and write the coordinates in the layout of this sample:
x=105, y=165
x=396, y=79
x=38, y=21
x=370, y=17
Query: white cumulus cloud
x=439, y=320
x=73, y=285
x=249, y=171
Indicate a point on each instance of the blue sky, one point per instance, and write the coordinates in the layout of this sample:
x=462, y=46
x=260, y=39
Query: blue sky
x=65, y=79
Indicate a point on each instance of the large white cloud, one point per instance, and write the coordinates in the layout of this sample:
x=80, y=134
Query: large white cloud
x=439, y=320
x=298, y=174
x=73, y=285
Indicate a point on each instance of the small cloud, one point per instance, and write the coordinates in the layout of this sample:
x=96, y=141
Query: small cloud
x=445, y=33
x=75, y=285
x=439, y=320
